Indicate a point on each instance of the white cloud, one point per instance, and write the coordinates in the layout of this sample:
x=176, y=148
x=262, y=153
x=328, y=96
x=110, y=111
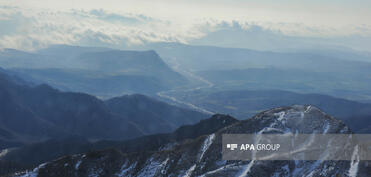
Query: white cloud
x=30, y=26
x=40, y=28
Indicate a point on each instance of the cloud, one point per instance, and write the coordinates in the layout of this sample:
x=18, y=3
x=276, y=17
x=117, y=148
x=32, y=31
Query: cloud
x=30, y=28
x=260, y=36
x=114, y=17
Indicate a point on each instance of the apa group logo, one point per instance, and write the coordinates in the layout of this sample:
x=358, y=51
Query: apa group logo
x=232, y=146
x=253, y=147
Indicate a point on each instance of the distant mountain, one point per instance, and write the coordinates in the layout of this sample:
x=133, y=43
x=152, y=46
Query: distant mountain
x=347, y=85
x=246, y=103
x=202, y=156
x=320, y=72
x=16, y=58
x=201, y=58
x=101, y=84
x=55, y=56
x=69, y=51
x=123, y=61
x=35, y=113
x=100, y=71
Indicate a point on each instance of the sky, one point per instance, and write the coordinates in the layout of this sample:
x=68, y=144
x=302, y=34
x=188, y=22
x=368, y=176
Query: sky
x=33, y=24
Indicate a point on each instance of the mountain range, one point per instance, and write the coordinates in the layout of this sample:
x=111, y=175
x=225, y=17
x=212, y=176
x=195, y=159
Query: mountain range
x=99, y=71
x=36, y=113
x=313, y=71
x=106, y=72
x=34, y=154
x=201, y=155
x=68, y=109
x=203, y=58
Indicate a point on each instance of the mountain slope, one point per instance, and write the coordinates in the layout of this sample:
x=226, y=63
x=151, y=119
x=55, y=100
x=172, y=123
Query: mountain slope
x=31, y=155
x=202, y=156
x=147, y=63
x=139, y=107
x=35, y=113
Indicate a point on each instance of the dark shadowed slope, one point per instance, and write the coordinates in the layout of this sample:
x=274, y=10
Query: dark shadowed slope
x=163, y=116
x=32, y=114
x=35, y=113
x=37, y=153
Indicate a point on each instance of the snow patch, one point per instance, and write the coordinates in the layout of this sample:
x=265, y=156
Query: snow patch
x=125, y=169
x=190, y=171
x=208, y=141
x=270, y=129
x=4, y=152
x=353, y=170
x=281, y=115
x=152, y=167
x=302, y=115
x=327, y=128
x=78, y=164
x=34, y=172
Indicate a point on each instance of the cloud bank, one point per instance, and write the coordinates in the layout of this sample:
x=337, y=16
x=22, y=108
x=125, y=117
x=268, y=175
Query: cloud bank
x=30, y=29
x=34, y=28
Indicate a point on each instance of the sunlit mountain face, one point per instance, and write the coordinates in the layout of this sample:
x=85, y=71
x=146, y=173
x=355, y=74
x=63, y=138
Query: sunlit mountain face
x=139, y=88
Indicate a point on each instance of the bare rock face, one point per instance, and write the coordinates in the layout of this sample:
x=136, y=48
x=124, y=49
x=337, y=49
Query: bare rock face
x=201, y=156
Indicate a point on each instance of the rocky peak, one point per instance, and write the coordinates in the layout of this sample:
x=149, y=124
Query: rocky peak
x=294, y=119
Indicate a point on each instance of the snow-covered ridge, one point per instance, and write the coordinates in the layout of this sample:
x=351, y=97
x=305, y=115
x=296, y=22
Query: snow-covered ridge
x=303, y=119
x=202, y=156
x=294, y=119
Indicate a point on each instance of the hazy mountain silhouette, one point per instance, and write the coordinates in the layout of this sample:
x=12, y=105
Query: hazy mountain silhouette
x=99, y=71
